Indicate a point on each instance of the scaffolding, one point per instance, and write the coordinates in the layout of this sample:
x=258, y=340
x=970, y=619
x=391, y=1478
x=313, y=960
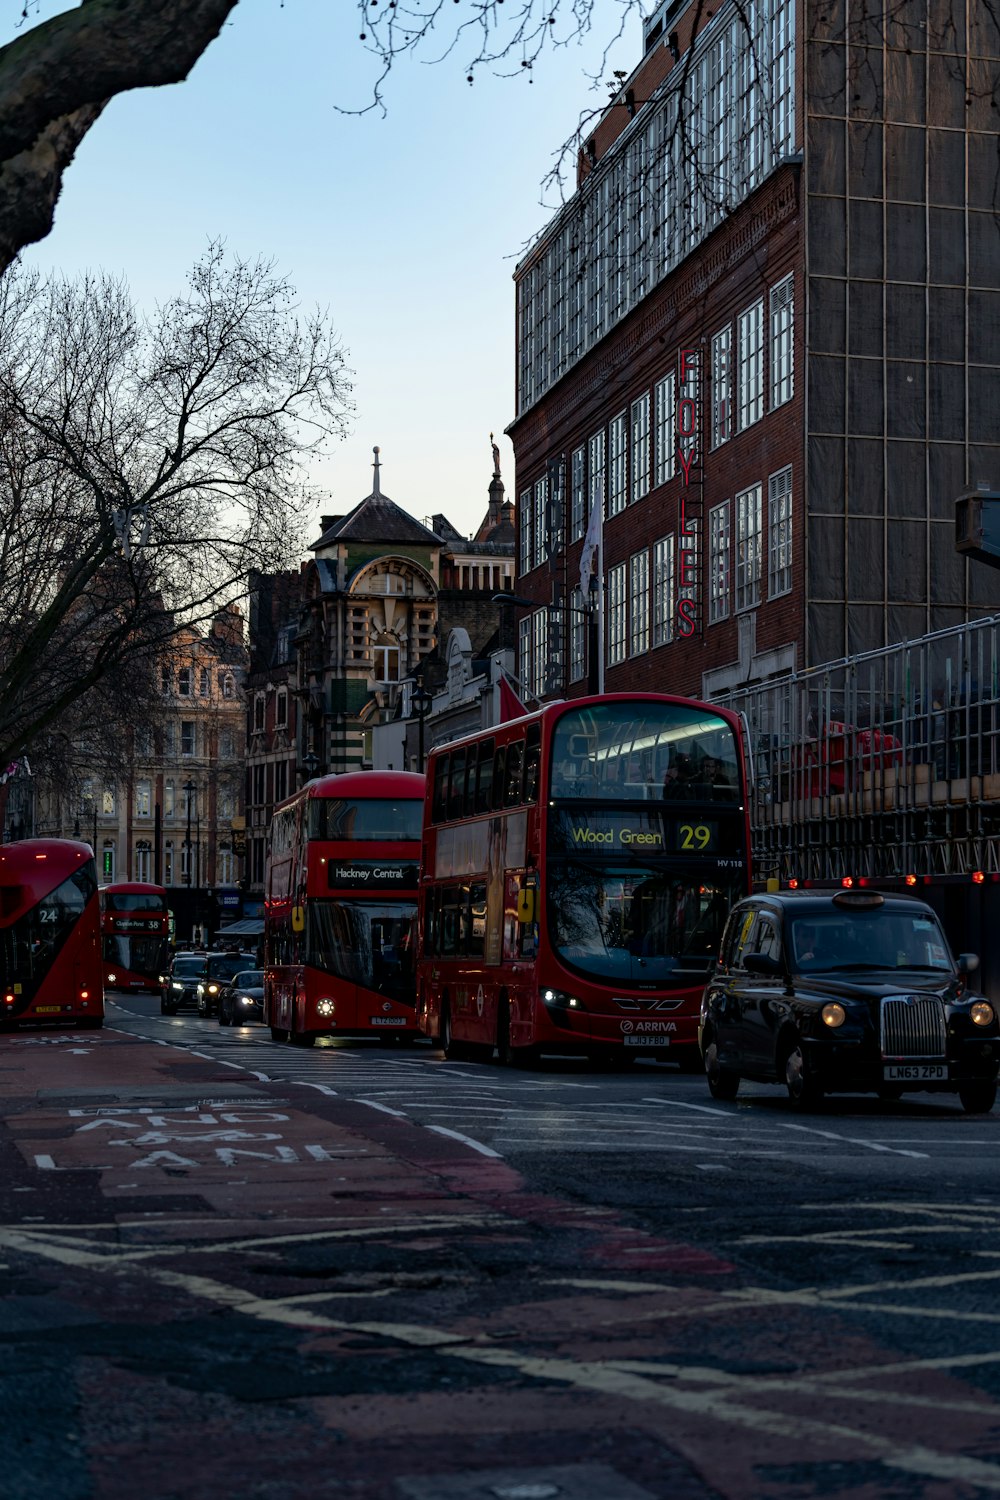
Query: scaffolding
x=880, y=765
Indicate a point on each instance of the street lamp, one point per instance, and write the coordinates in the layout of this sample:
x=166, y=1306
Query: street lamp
x=310, y=764
x=421, y=701
x=189, y=789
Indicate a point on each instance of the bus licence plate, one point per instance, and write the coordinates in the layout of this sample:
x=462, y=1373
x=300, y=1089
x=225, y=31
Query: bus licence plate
x=916, y=1072
x=387, y=1020
x=656, y=1039
x=45, y=1010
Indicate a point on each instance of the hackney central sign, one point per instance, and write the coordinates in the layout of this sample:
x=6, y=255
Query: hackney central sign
x=371, y=875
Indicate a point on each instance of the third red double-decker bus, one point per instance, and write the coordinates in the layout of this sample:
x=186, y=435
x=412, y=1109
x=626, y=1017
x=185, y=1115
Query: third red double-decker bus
x=135, y=932
x=340, y=908
x=579, y=864
x=50, y=934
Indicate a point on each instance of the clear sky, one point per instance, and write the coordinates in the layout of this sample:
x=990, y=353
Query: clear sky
x=407, y=228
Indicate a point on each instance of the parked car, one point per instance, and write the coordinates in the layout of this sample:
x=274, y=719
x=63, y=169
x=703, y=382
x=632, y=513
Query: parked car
x=221, y=968
x=242, y=999
x=850, y=992
x=179, y=985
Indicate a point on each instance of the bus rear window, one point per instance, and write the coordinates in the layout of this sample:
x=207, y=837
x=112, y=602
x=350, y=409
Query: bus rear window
x=374, y=820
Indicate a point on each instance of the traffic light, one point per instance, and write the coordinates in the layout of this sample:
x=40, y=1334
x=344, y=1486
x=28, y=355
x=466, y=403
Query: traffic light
x=977, y=525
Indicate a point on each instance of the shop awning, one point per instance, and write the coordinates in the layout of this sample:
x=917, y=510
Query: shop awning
x=246, y=927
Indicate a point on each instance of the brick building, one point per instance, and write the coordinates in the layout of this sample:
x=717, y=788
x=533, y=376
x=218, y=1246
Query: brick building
x=762, y=335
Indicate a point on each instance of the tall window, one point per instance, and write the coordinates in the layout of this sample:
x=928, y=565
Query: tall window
x=639, y=460
x=722, y=381
x=617, y=619
x=578, y=494
x=663, y=434
x=524, y=532
x=187, y=736
x=596, y=473
x=663, y=591
x=203, y=682
x=166, y=680
x=143, y=860
x=281, y=709
x=779, y=533
x=639, y=601
x=541, y=496
x=168, y=862
x=143, y=800
x=577, y=636
x=524, y=652
x=228, y=685
x=108, y=860
x=169, y=739
x=226, y=874
x=617, y=494
x=258, y=712
x=782, y=352
x=751, y=365
x=748, y=547
x=184, y=682
x=385, y=659
x=168, y=799
x=540, y=650
x=227, y=743
x=718, y=563
x=144, y=742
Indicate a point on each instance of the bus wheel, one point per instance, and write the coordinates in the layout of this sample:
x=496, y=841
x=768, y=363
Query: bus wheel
x=279, y=1034
x=505, y=1052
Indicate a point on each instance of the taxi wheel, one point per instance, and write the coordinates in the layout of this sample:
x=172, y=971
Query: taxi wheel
x=803, y=1089
x=978, y=1096
x=224, y=1018
x=721, y=1083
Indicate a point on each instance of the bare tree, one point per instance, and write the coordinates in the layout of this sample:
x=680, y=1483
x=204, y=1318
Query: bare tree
x=146, y=465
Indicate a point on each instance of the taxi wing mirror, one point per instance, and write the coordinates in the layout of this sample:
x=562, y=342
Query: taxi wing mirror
x=764, y=965
x=968, y=963
x=526, y=905
x=298, y=919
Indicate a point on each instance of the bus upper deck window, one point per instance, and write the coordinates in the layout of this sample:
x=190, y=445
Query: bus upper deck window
x=515, y=760
x=532, y=761
x=469, y=801
x=484, y=778
x=439, y=805
x=499, y=776
x=456, y=796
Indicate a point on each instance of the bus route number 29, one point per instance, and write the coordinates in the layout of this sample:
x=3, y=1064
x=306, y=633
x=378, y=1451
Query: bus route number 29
x=694, y=835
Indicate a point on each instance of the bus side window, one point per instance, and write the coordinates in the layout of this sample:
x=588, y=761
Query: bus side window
x=469, y=801
x=456, y=796
x=484, y=778
x=515, y=759
x=531, y=763
x=439, y=804
x=499, y=777
x=448, y=945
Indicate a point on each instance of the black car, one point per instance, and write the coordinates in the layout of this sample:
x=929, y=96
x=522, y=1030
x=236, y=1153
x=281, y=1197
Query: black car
x=242, y=999
x=179, y=985
x=220, y=970
x=853, y=992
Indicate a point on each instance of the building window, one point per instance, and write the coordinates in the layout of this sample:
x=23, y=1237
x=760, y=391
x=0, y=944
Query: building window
x=751, y=365
x=639, y=460
x=748, y=547
x=169, y=738
x=226, y=873
x=168, y=799
x=187, y=736
x=663, y=438
x=280, y=780
x=258, y=713
x=718, y=563
x=782, y=351
x=184, y=682
x=524, y=653
x=779, y=533
x=168, y=862
x=281, y=710
x=721, y=386
x=578, y=495
x=227, y=743
x=108, y=861
x=541, y=497
x=663, y=591
x=166, y=680
x=203, y=682
x=143, y=799
x=259, y=797
x=540, y=650
x=228, y=685
x=577, y=636
x=596, y=475
x=143, y=860
x=385, y=660
x=524, y=532
x=144, y=742
x=617, y=618
x=617, y=457
x=639, y=601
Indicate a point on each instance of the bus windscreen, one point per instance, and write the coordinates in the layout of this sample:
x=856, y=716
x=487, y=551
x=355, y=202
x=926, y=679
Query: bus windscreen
x=644, y=751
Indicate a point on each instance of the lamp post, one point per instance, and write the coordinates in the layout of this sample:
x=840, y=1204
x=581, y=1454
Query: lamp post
x=421, y=701
x=189, y=790
x=310, y=764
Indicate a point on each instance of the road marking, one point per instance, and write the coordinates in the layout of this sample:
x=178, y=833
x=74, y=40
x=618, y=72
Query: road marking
x=830, y=1135
x=382, y=1108
x=456, y=1135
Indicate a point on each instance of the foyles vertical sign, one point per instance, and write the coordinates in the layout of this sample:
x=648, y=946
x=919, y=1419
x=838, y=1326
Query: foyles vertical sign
x=690, y=466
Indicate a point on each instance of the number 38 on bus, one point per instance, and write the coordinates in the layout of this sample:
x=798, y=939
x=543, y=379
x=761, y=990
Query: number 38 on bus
x=579, y=864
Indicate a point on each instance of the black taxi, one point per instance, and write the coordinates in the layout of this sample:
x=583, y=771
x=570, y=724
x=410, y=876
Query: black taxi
x=849, y=992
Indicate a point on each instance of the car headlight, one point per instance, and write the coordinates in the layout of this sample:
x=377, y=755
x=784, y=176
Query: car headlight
x=176, y=986
x=559, y=1000
x=247, y=1000
x=213, y=989
x=982, y=1013
x=833, y=1014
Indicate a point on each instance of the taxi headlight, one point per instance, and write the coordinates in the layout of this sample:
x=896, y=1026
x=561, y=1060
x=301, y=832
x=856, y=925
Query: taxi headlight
x=324, y=1007
x=833, y=1014
x=982, y=1013
x=176, y=986
x=213, y=989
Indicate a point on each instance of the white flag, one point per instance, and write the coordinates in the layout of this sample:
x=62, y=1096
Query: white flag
x=591, y=543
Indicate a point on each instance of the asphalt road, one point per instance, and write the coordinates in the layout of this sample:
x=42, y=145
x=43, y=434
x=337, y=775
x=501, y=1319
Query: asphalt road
x=236, y=1268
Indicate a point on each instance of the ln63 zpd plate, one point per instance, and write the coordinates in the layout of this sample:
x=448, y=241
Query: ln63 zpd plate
x=915, y=1072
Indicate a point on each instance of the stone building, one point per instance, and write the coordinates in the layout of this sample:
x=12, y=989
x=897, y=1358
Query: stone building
x=273, y=764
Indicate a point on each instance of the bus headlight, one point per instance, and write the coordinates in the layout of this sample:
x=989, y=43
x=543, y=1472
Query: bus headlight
x=559, y=1000
x=324, y=1007
x=834, y=1014
x=112, y=978
x=982, y=1013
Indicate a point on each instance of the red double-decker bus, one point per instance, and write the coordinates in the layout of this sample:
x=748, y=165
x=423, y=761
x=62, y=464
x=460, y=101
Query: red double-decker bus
x=579, y=864
x=340, y=908
x=50, y=934
x=135, y=934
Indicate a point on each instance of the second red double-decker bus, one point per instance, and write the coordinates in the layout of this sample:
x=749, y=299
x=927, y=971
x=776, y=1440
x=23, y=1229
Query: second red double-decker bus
x=340, y=908
x=579, y=864
x=50, y=934
x=135, y=931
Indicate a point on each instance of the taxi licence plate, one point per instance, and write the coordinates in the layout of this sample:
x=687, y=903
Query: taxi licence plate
x=916, y=1072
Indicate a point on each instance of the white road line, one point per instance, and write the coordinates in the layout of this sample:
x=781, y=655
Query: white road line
x=382, y=1108
x=466, y=1141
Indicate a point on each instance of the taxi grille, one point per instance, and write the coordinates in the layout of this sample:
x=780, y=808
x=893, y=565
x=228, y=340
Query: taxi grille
x=913, y=1026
